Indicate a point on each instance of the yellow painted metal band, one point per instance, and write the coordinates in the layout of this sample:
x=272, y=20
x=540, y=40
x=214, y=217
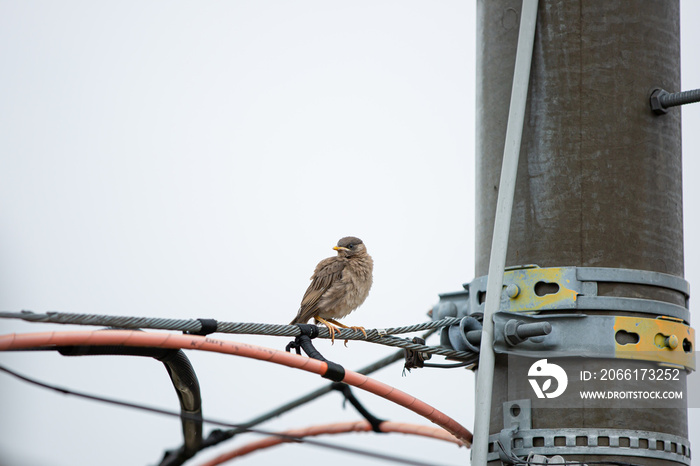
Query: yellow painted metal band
x=526, y=279
x=665, y=340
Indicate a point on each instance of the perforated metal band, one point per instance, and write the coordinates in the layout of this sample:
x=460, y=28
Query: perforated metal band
x=520, y=439
x=618, y=442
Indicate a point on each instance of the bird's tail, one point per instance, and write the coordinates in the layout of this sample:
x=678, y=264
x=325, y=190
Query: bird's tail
x=298, y=320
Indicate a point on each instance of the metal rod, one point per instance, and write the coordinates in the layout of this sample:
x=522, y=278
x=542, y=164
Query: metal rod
x=661, y=100
x=499, y=242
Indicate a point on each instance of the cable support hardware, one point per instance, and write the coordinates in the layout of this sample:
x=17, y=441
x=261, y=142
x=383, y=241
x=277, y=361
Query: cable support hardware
x=335, y=371
x=134, y=338
x=518, y=438
x=373, y=421
x=533, y=289
x=522, y=328
x=217, y=436
x=185, y=415
x=659, y=340
x=193, y=326
x=413, y=359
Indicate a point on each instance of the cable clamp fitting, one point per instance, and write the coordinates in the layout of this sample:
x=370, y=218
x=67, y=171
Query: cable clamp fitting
x=335, y=372
x=207, y=326
x=415, y=358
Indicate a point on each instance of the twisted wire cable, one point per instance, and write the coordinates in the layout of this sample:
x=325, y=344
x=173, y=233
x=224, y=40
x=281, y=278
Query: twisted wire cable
x=379, y=336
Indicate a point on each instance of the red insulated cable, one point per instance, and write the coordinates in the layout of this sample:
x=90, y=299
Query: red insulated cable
x=338, y=428
x=207, y=343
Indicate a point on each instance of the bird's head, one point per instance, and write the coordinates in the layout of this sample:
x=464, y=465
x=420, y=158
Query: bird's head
x=350, y=246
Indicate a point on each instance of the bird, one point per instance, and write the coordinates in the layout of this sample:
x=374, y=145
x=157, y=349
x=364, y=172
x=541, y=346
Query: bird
x=339, y=285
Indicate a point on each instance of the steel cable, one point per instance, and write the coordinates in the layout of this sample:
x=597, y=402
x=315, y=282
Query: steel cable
x=379, y=336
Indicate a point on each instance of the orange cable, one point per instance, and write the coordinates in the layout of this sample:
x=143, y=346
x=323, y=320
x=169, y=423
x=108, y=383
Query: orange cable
x=338, y=428
x=15, y=341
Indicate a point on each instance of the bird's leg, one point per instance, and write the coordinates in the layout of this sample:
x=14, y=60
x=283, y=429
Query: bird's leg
x=357, y=329
x=331, y=328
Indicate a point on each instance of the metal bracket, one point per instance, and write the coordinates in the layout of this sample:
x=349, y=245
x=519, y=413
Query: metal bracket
x=517, y=415
x=602, y=336
x=518, y=438
x=613, y=442
x=528, y=290
x=532, y=289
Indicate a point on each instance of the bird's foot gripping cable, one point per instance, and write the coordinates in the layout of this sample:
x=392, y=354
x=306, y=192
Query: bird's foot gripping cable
x=335, y=372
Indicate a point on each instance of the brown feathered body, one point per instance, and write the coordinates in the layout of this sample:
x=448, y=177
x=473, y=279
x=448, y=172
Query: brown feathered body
x=339, y=284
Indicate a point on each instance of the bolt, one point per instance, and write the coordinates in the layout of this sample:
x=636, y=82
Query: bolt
x=474, y=337
x=448, y=309
x=534, y=330
x=660, y=100
x=512, y=291
x=517, y=331
x=671, y=342
x=655, y=101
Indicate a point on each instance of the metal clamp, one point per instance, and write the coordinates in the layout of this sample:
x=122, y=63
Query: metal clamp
x=528, y=290
x=601, y=336
x=617, y=442
x=463, y=337
x=532, y=289
x=660, y=340
x=523, y=440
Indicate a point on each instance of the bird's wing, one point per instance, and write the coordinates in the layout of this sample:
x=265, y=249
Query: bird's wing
x=327, y=272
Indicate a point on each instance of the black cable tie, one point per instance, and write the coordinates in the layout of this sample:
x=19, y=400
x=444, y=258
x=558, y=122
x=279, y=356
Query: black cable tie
x=335, y=372
x=374, y=421
x=207, y=326
x=309, y=330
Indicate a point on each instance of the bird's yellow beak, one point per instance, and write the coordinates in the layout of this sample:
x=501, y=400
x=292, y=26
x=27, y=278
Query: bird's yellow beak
x=340, y=248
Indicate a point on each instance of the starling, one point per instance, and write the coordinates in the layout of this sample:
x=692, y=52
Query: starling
x=338, y=286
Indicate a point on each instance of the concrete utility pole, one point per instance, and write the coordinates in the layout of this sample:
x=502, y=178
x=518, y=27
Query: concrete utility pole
x=598, y=185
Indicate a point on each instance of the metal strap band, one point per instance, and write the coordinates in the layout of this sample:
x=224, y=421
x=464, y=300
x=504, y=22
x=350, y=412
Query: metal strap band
x=639, y=277
x=594, y=336
x=571, y=288
x=617, y=442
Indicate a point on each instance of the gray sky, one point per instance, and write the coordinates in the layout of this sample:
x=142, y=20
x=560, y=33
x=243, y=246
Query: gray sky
x=197, y=159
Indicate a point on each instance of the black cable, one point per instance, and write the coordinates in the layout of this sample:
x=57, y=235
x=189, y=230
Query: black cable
x=217, y=436
x=184, y=380
x=185, y=415
x=449, y=366
x=374, y=421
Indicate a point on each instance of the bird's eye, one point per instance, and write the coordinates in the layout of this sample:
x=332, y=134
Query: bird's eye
x=351, y=246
